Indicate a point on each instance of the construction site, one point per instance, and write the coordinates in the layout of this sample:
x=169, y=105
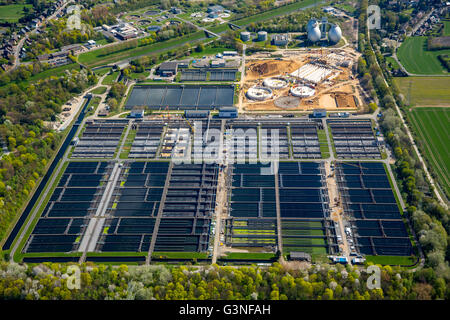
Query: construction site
x=302, y=81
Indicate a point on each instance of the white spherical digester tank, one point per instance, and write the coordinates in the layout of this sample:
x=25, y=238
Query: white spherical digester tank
x=314, y=33
x=335, y=33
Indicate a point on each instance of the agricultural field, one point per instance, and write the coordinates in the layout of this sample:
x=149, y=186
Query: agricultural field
x=415, y=57
x=432, y=127
x=425, y=91
x=13, y=12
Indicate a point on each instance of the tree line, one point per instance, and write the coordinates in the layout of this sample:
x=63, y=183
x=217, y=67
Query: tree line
x=429, y=219
x=48, y=281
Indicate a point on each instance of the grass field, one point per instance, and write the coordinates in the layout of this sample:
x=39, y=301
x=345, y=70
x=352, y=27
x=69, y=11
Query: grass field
x=110, y=78
x=55, y=72
x=392, y=62
x=249, y=256
x=275, y=12
x=99, y=90
x=416, y=59
x=391, y=260
x=432, y=127
x=425, y=91
x=13, y=12
x=102, y=57
x=447, y=28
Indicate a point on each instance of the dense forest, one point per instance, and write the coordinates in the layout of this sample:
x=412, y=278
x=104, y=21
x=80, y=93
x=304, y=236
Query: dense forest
x=322, y=282
x=25, y=109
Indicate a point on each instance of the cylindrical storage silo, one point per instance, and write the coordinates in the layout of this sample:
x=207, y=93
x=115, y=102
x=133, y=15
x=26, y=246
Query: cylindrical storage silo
x=262, y=36
x=245, y=36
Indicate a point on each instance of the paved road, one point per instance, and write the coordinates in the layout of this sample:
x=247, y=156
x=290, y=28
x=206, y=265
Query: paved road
x=26, y=35
x=398, y=44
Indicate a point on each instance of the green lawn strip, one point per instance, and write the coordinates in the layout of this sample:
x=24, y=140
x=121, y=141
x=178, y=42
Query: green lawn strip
x=127, y=146
x=332, y=141
x=392, y=260
x=323, y=142
x=116, y=254
x=248, y=256
x=139, y=75
x=120, y=141
x=274, y=12
x=393, y=62
x=50, y=254
x=446, y=27
x=415, y=57
x=110, y=78
x=310, y=250
x=100, y=56
x=391, y=183
x=208, y=51
x=19, y=255
x=180, y=255
x=99, y=90
x=102, y=71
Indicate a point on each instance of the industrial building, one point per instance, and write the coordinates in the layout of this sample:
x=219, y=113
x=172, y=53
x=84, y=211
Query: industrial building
x=137, y=113
x=319, y=113
x=280, y=39
x=198, y=114
x=300, y=256
x=167, y=69
x=228, y=112
x=215, y=9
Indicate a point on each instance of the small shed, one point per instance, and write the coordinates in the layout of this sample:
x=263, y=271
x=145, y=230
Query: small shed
x=137, y=113
x=228, y=112
x=300, y=256
x=202, y=114
x=319, y=113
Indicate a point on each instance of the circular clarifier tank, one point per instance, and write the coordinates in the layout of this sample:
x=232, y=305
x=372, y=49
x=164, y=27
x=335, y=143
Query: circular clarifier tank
x=275, y=83
x=259, y=93
x=302, y=91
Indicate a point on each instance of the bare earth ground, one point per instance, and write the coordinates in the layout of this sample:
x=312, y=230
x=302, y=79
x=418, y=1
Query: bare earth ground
x=336, y=94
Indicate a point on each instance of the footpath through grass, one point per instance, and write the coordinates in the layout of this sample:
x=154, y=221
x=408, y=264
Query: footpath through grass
x=432, y=128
